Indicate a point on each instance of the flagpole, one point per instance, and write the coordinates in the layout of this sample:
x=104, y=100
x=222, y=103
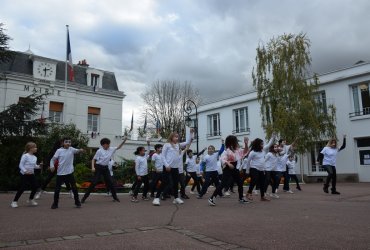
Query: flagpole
x=65, y=78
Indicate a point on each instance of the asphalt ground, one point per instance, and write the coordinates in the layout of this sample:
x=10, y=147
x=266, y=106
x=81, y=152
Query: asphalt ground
x=310, y=219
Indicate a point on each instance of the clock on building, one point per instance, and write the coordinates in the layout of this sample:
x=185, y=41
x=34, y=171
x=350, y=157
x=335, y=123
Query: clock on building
x=44, y=70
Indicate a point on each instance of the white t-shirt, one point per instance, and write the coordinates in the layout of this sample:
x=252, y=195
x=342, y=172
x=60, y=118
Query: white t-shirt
x=270, y=161
x=27, y=163
x=158, y=162
x=103, y=156
x=291, y=166
x=330, y=156
x=211, y=162
x=141, y=165
x=181, y=163
x=257, y=159
x=281, y=163
x=65, y=157
x=191, y=165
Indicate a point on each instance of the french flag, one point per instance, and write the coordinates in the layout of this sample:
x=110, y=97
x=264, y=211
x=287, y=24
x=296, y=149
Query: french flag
x=69, y=59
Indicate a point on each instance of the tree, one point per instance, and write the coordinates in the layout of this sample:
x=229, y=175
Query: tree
x=5, y=54
x=290, y=102
x=20, y=119
x=164, y=101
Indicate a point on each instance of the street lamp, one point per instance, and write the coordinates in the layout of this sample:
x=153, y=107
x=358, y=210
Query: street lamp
x=188, y=108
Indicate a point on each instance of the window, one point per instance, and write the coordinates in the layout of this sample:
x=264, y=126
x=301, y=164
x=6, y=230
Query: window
x=315, y=169
x=361, y=100
x=56, y=112
x=93, y=115
x=241, y=120
x=214, y=125
x=320, y=99
x=94, y=80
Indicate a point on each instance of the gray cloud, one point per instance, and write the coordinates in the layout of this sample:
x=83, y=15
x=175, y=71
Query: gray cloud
x=210, y=43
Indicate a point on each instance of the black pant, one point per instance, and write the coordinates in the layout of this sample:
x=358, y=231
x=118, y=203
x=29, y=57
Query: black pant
x=276, y=176
x=48, y=179
x=144, y=179
x=268, y=181
x=101, y=171
x=165, y=182
x=182, y=179
x=211, y=177
x=70, y=179
x=27, y=179
x=226, y=176
x=295, y=178
x=175, y=182
x=156, y=177
x=286, y=180
x=332, y=176
x=257, y=176
x=193, y=175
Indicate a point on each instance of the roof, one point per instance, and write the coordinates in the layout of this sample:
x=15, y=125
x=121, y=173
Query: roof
x=22, y=63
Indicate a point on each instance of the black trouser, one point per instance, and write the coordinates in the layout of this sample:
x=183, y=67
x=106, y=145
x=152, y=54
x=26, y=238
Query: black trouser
x=332, y=176
x=101, y=171
x=165, y=181
x=295, y=178
x=70, y=179
x=268, y=181
x=226, y=176
x=48, y=179
x=286, y=180
x=182, y=183
x=143, y=179
x=27, y=179
x=257, y=177
x=211, y=177
x=193, y=175
x=276, y=176
x=175, y=182
x=156, y=177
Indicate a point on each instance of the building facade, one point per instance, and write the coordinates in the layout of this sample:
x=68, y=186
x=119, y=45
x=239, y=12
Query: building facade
x=92, y=101
x=347, y=89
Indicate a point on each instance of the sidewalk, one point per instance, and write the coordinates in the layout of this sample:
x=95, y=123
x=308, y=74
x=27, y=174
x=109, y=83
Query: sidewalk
x=309, y=219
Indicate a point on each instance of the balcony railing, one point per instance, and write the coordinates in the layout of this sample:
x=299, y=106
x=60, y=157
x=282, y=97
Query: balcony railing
x=214, y=133
x=241, y=130
x=364, y=111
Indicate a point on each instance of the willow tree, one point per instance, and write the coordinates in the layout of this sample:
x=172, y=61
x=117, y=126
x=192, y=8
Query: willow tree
x=288, y=92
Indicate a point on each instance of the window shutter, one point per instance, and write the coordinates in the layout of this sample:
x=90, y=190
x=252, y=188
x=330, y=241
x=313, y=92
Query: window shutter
x=56, y=106
x=93, y=111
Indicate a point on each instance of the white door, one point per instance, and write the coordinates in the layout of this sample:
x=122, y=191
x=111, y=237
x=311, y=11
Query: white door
x=363, y=155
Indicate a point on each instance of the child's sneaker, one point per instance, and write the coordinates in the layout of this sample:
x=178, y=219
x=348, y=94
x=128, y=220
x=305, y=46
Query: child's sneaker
x=131, y=193
x=227, y=193
x=178, y=201
x=32, y=202
x=78, y=204
x=14, y=204
x=145, y=198
x=134, y=199
x=299, y=188
x=243, y=201
x=211, y=202
x=71, y=195
x=192, y=192
x=54, y=206
x=249, y=196
x=264, y=199
x=38, y=194
x=156, y=202
x=290, y=192
x=274, y=196
x=257, y=192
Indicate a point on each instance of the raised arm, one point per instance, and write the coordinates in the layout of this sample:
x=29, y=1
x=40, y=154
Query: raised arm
x=344, y=143
x=202, y=152
x=123, y=142
x=222, y=149
x=268, y=145
x=188, y=136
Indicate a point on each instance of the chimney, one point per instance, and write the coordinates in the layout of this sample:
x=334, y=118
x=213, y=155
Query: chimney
x=83, y=63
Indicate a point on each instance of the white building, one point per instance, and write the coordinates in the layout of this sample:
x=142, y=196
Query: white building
x=347, y=89
x=93, y=101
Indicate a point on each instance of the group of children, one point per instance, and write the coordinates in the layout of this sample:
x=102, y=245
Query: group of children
x=232, y=164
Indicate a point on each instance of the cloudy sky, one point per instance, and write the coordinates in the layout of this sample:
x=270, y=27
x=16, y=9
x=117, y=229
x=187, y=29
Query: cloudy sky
x=211, y=43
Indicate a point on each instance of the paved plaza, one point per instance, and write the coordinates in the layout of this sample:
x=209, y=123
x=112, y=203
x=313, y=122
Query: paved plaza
x=309, y=219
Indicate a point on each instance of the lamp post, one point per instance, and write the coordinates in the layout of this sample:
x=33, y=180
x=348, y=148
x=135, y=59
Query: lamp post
x=188, y=108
